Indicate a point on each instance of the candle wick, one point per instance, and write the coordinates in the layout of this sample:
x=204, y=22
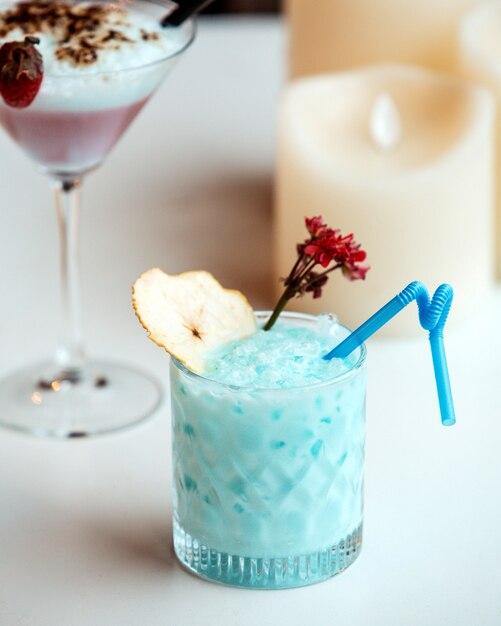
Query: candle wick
x=385, y=124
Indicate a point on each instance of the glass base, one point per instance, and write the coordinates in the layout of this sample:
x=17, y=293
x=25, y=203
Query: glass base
x=45, y=401
x=265, y=573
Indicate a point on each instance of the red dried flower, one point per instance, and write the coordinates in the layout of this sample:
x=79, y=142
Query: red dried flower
x=324, y=247
x=316, y=227
x=356, y=273
x=314, y=283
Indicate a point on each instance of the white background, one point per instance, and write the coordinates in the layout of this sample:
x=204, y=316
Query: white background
x=85, y=525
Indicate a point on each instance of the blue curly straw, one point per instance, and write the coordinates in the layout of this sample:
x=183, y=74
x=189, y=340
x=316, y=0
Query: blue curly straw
x=432, y=316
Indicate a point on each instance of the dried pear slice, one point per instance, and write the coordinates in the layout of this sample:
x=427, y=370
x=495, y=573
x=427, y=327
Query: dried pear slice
x=190, y=314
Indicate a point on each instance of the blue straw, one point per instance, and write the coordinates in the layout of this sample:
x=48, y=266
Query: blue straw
x=432, y=316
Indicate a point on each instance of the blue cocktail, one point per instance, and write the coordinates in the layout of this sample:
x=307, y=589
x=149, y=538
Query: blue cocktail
x=268, y=458
x=269, y=416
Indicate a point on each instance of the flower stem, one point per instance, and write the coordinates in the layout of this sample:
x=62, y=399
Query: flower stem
x=298, y=262
x=291, y=290
x=286, y=296
x=322, y=274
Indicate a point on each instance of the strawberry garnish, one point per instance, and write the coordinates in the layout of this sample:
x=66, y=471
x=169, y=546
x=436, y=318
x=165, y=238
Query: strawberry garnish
x=21, y=72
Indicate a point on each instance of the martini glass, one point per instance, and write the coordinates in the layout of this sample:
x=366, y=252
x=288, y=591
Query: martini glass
x=74, y=122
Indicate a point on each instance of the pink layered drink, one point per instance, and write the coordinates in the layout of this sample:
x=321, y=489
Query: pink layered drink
x=102, y=63
x=62, y=140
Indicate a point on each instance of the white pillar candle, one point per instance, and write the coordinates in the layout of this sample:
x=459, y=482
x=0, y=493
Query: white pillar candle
x=480, y=52
x=329, y=35
x=403, y=158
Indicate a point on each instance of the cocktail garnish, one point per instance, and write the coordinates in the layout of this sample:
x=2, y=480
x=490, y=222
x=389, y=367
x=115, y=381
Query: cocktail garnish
x=21, y=72
x=190, y=314
x=327, y=248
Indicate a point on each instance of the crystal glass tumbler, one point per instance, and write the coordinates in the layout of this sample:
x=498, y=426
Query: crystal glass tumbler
x=268, y=483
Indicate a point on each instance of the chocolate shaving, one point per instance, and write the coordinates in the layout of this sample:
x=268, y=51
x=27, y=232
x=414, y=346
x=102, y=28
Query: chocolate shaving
x=81, y=31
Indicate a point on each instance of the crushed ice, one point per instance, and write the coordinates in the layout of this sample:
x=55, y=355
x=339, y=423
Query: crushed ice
x=287, y=356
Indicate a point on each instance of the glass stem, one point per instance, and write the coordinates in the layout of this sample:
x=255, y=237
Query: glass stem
x=70, y=355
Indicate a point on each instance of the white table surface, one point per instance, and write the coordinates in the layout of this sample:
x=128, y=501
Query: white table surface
x=85, y=525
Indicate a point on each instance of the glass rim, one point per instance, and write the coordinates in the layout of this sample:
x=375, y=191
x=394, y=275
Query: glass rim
x=190, y=23
x=351, y=372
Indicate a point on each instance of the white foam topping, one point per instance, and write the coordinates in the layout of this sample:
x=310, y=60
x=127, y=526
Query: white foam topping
x=85, y=69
